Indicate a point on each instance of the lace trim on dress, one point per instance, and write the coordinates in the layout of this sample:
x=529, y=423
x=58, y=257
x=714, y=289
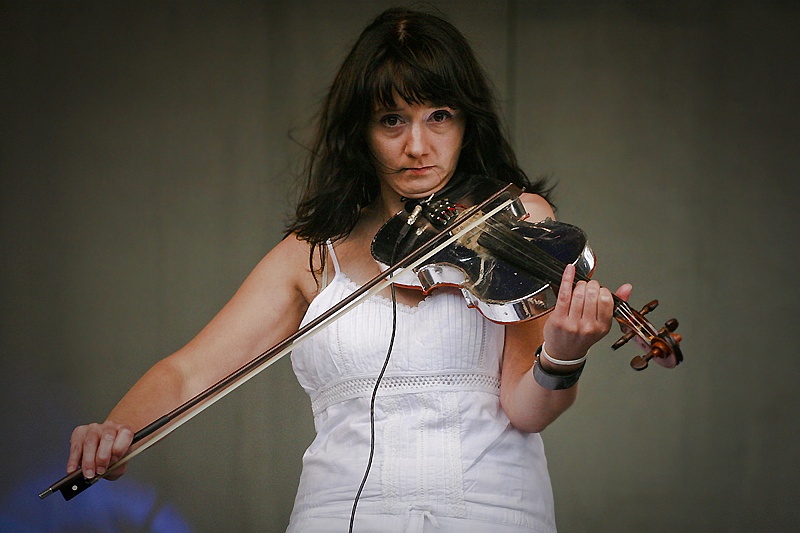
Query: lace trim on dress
x=357, y=387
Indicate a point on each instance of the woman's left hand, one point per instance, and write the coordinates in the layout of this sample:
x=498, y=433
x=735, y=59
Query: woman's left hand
x=582, y=316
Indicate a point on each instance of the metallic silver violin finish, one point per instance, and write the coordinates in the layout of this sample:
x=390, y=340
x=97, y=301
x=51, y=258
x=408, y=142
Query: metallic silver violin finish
x=507, y=268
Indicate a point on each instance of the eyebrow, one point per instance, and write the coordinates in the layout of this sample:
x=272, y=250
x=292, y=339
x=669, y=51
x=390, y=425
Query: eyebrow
x=385, y=109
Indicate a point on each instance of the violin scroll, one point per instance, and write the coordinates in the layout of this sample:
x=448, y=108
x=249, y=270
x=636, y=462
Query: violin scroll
x=661, y=344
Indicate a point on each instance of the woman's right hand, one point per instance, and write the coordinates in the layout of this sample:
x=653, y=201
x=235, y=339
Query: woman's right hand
x=95, y=446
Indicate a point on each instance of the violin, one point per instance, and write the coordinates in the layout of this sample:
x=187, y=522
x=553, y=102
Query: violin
x=507, y=268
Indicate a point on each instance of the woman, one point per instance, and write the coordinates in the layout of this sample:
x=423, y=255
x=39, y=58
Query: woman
x=459, y=412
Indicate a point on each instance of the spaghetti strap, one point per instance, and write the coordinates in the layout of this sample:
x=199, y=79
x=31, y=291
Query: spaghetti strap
x=325, y=266
x=333, y=256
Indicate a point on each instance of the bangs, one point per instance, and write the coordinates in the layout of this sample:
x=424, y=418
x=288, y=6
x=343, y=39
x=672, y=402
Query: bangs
x=413, y=80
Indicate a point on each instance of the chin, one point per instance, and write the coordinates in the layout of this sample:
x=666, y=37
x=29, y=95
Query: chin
x=416, y=195
x=422, y=188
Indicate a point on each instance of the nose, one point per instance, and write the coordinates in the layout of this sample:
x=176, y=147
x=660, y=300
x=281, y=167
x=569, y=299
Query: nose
x=417, y=140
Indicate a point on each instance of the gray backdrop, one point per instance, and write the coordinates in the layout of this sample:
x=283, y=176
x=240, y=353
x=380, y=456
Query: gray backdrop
x=147, y=156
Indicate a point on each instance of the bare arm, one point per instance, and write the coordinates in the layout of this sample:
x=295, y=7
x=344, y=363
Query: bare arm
x=267, y=308
x=582, y=316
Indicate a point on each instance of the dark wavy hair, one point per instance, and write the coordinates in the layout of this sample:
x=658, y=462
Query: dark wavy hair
x=422, y=58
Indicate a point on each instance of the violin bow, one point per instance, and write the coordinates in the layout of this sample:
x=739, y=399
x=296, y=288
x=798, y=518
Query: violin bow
x=74, y=483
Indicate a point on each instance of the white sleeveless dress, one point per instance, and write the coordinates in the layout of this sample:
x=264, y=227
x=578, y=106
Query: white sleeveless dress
x=446, y=457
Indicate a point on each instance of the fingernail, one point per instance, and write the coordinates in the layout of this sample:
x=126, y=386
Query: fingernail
x=100, y=470
x=89, y=474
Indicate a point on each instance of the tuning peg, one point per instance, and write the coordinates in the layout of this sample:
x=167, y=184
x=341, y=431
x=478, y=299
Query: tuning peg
x=640, y=362
x=622, y=340
x=658, y=348
x=670, y=326
x=649, y=307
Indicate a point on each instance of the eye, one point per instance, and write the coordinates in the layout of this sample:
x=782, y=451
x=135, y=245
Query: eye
x=390, y=120
x=441, y=115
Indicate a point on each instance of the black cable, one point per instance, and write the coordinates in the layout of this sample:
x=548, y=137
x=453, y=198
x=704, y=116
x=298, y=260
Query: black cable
x=374, y=394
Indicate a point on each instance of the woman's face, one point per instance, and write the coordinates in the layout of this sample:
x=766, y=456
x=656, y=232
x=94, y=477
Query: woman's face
x=416, y=148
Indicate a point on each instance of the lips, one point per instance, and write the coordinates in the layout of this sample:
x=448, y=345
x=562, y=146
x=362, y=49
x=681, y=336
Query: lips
x=419, y=170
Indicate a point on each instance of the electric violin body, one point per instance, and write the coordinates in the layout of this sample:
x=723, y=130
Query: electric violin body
x=507, y=268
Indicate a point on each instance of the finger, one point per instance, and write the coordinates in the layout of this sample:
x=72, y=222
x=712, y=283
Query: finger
x=591, y=300
x=605, y=308
x=565, y=292
x=121, y=443
x=624, y=291
x=578, y=304
x=75, y=449
x=107, y=439
x=123, y=436
x=89, y=454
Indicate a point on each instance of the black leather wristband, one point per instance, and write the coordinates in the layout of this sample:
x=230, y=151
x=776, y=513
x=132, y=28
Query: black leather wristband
x=554, y=381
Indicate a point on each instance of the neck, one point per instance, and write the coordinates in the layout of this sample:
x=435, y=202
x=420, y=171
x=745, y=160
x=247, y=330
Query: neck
x=388, y=204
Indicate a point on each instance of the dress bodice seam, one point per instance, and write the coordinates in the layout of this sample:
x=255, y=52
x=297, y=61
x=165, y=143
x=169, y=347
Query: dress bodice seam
x=352, y=287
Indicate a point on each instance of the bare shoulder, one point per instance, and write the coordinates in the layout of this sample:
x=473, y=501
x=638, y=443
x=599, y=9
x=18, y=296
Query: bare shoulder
x=287, y=264
x=538, y=208
x=291, y=249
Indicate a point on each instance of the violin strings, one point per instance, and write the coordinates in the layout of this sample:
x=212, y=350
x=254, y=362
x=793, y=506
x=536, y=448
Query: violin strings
x=552, y=267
